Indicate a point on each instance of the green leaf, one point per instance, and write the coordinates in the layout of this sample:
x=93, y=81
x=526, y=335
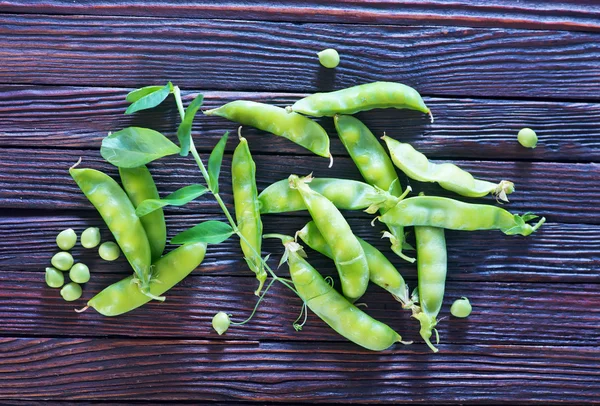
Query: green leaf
x=149, y=100
x=177, y=198
x=214, y=163
x=137, y=94
x=136, y=146
x=210, y=232
x=184, y=132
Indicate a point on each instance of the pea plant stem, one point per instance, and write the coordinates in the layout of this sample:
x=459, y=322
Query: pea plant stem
x=198, y=159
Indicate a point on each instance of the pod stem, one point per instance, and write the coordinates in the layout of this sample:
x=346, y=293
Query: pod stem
x=539, y=224
x=428, y=324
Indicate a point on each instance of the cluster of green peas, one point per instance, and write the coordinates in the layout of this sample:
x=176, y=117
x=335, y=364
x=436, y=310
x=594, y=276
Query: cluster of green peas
x=79, y=273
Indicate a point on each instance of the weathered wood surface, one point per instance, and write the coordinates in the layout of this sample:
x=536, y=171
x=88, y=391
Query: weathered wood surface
x=515, y=313
x=564, y=15
x=271, y=371
x=215, y=54
x=534, y=333
x=78, y=118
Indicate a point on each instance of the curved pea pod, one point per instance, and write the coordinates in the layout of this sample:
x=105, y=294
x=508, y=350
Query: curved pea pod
x=432, y=264
x=449, y=176
x=140, y=186
x=247, y=210
x=452, y=214
x=124, y=296
x=348, y=255
x=275, y=120
x=118, y=213
x=375, y=166
x=331, y=307
x=375, y=95
x=381, y=271
x=345, y=194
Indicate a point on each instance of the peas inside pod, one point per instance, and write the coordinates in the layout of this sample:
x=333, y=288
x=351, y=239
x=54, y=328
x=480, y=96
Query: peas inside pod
x=66, y=239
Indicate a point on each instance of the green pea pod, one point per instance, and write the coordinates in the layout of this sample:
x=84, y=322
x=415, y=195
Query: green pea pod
x=247, y=209
x=375, y=95
x=381, y=271
x=331, y=307
x=140, y=186
x=433, y=211
x=348, y=255
x=119, y=215
x=375, y=167
x=123, y=296
x=432, y=264
x=295, y=127
x=449, y=176
x=345, y=194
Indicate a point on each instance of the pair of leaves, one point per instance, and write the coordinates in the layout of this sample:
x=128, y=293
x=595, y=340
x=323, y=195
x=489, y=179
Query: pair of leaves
x=178, y=198
x=147, y=97
x=210, y=232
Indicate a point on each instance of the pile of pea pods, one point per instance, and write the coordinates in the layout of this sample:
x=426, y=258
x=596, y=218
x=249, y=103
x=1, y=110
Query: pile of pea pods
x=134, y=215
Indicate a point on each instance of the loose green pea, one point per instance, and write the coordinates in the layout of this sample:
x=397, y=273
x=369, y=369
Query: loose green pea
x=54, y=278
x=109, y=251
x=71, y=291
x=62, y=261
x=527, y=138
x=66, y=239
x=79, y=273
x=90, y=237
x=461, y=308
x=329, y=58
x=221, y=322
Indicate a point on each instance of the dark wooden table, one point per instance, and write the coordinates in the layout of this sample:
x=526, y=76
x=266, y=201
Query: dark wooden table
x=485, y=68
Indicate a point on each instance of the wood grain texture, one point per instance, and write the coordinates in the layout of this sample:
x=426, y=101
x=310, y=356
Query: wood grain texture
x=211, y=54
x=515, y=313
x=71, y=117
x=183, y=369
x=567, y=253
x=560, y=191
x=564, y=15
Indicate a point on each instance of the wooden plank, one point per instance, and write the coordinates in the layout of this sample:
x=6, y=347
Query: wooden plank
x=516, y=313
x=563, y=15
x=559, y=191
x=87, y=369
x=556, y=253
x=71, y=117
x=131, y=52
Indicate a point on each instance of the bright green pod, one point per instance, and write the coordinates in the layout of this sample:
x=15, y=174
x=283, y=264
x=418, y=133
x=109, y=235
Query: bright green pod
x=348, y=255
x=442, y=212
x=275, y=120
x=118, y=213
x=375, y=95
x=331, y=307
x=140, y=186
x=449, y=176
x=247, y=209
x=432, y=264
x=375, y=166
x=345, y=194
x=124, y=296
x=381, y=271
